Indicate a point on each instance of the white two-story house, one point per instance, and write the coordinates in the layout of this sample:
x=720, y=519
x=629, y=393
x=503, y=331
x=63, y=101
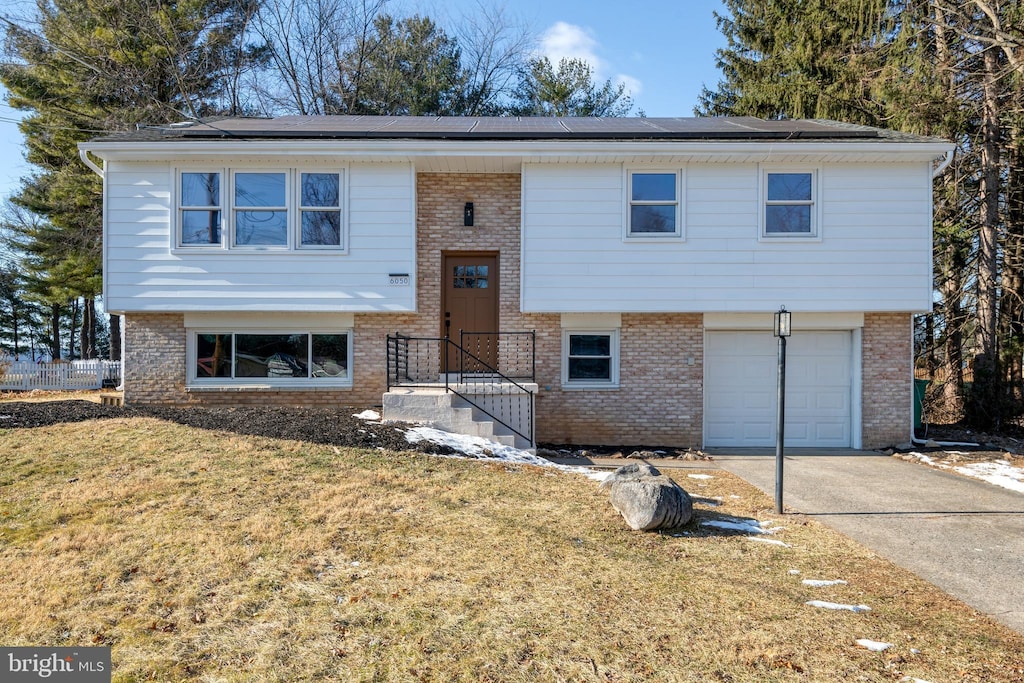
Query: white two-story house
x=628, y=269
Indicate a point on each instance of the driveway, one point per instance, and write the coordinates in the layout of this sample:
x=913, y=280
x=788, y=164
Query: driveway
x=963, y=535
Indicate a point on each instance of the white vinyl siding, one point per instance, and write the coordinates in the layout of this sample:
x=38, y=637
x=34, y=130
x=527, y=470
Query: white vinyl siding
x=874, y=251
x=144, y=273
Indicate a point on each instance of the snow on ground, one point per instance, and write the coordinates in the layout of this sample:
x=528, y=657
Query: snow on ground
x=873, y=645
x=482, y=449
x=747, y=526
x=837, y=606
x=818, y=583
x=998, y=472
x=368, y=415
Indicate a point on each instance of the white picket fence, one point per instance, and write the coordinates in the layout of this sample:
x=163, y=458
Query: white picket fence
x=79, y=374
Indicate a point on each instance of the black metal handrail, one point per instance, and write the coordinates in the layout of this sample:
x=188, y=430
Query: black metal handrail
x=514, y=353
x=426, y=362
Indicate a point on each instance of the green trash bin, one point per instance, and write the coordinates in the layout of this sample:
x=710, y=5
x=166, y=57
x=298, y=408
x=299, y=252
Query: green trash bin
x=920, y=388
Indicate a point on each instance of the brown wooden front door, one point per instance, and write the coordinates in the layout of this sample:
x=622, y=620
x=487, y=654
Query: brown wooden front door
x=470, y=304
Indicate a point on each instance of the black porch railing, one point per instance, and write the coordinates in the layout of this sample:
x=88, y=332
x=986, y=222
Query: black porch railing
x=484, y=375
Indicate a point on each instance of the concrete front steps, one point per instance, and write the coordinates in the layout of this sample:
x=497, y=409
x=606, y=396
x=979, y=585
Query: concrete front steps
x=444, y=410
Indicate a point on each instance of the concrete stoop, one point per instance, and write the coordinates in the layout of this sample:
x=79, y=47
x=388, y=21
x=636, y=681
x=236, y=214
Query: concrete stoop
x=434, y=407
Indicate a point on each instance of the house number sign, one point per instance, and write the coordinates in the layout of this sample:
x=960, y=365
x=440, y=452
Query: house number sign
x=401, y=279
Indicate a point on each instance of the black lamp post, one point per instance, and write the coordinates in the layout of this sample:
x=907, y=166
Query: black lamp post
x=783, y=328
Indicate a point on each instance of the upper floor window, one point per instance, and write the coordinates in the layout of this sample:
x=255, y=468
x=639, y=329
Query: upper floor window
x=260, y=209
x=789, y=207
x=654, y=209
x=199, y=208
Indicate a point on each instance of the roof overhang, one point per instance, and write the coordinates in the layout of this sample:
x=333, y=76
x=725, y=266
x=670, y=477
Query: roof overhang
x=513, y=153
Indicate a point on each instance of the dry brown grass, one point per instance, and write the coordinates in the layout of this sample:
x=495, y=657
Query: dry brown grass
x=38, y=395
x=208, y=556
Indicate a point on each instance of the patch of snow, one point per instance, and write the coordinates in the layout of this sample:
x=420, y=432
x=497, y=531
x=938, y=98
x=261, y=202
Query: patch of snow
x=873, y=645
x=838, y=606
x=770, y=541
x=794, y=572
x=368, y=415
x=748, y=526
x=820, y=583
x=1000, y=473
x=700, y=476
x=482, y=449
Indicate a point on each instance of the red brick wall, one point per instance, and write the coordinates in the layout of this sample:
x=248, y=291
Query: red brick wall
x=886, y=379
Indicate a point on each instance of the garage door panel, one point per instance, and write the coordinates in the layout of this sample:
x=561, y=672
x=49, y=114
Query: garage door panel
x=833, y=401
x=740, y=389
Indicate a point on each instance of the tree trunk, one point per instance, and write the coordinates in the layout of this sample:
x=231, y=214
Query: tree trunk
x=87, y=335
x=55, y=332
x=984, y=408
x=1011, y=311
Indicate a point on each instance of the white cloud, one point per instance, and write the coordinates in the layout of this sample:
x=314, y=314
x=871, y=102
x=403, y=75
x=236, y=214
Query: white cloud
x=633, y=85
x=563, y=40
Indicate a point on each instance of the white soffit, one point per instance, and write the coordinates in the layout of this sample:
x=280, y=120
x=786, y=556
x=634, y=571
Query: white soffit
x=766, y=321
x=591, y=321
x=231, y=321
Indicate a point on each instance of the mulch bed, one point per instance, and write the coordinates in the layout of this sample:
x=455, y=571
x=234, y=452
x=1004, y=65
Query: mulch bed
x=333, y=426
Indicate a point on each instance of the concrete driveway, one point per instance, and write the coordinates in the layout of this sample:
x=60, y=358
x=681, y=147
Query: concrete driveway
x=963, y=535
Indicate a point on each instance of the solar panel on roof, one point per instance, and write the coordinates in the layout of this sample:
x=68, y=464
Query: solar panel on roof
x=520, y=128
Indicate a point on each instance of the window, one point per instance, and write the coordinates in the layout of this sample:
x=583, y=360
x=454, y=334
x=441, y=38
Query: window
x=293, y=358
x=199, y=208
x=265, y=209
x=654, y=204
x=320, y=207
x=590, y=358
x=260, y=209
x=789, y=204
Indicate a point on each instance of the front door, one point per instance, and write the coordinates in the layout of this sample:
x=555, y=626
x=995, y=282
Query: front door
x=470, y=305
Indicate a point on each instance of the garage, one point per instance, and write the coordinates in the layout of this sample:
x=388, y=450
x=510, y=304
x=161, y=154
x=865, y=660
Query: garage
x=740, y=389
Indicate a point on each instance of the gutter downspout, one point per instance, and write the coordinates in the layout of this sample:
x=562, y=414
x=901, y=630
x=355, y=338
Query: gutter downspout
x=944, y=164
x=83, y=154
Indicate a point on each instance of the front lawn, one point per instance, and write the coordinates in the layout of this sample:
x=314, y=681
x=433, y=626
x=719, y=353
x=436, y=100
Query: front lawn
x=208, y=555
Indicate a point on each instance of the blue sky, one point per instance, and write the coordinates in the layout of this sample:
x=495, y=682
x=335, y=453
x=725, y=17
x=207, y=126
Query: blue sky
x=664, y=52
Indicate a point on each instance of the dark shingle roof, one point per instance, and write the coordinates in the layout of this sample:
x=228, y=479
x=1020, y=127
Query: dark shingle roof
x=511, y=128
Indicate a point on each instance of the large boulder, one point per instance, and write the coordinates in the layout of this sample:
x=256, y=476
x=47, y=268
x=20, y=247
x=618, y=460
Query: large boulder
x=647, y=499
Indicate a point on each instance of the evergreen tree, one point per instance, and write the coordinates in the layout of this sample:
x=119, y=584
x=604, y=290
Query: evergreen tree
x=87, y=67
x=405, y=67
x=568, y=90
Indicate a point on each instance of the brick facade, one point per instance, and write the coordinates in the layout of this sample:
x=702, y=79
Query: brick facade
x=659, y=400
x=886, y=379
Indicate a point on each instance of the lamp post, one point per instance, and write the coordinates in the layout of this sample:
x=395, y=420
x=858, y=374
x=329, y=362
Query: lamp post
x=783, y=328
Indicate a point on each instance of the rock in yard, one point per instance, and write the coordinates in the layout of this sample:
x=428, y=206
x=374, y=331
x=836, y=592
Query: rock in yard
x=647, y=499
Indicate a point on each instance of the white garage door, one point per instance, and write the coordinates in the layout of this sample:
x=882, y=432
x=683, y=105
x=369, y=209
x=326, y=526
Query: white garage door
x=740, y=389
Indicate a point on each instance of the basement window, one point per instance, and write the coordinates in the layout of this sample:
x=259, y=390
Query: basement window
x=293, y=359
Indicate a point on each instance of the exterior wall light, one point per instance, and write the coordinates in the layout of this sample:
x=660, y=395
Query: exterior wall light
x=467, y=214
x=783, y=322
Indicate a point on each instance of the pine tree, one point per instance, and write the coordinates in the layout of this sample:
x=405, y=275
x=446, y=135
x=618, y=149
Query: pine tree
x=567, y=90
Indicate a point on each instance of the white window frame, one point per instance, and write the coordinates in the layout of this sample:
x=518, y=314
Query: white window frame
x=814, y=202
x=297, y=383
x=288, y=210
x=293, y=208
x=340, y=209
x=591, y=384
x=680, y=187
x=180, y=208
